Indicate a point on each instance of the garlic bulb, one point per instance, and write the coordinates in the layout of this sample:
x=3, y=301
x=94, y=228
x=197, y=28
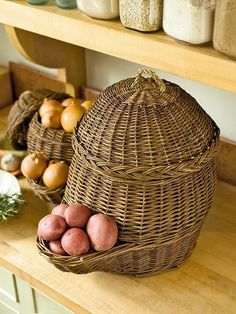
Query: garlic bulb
x=10, y=162
x=8, y=184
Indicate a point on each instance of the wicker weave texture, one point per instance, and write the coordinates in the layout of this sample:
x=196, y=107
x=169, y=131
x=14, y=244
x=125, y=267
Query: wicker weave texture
x=22, y=112
x=145, y=155
x=54, y=196
x=138, y=125
x=127, y=259
x=55, y=144
x=144, y=213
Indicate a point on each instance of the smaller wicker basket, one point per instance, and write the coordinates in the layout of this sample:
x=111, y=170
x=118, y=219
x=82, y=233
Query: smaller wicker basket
x=22, y=112
x=48, y=195
x=55, y=144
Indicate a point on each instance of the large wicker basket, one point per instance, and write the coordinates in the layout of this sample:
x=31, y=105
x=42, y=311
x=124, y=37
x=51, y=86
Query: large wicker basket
x=55, y=144
x=144, y=154
x=22, y=112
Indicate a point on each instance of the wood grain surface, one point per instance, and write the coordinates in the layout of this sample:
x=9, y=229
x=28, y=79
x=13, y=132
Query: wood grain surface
x=26, y=78
x=206, y=283
x=69, y=60
x=6, y=97
x=226, y=165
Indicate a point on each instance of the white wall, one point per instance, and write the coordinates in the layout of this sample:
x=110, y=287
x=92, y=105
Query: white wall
x=9, y=53
x=103, y=70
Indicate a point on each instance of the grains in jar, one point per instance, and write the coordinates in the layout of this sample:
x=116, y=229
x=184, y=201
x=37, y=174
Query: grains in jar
x=142, y=15
x=224, y=38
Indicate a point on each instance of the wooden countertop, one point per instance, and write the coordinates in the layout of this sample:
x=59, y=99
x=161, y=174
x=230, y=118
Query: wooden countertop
x=206, y=283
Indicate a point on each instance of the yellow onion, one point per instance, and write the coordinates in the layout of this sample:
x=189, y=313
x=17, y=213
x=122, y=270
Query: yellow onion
x=71, y=101
x=50, y=104
x=56, y=174
x=71, y=116
x=87, y=104
x=51, y=119
x=34, y=165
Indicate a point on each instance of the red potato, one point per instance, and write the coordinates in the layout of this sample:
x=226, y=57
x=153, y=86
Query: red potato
x=55, y=247
x=77, y=215
x=59, y=210
x=51, y=227
x=75, y=242
x=102, y=231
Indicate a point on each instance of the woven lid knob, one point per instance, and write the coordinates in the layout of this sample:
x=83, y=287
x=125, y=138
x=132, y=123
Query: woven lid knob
x=152, y=82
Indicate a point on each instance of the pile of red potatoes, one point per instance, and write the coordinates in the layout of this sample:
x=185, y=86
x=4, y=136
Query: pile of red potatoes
x=72, y=230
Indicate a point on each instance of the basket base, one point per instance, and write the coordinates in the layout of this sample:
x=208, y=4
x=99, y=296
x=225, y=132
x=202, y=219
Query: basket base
x=162, y=270
x=128, y=259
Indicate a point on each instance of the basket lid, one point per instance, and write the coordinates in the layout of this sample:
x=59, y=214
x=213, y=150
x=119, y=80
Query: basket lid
x=145, y=122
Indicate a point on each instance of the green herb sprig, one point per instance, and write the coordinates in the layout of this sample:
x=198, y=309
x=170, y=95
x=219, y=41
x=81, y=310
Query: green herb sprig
x=10, y=205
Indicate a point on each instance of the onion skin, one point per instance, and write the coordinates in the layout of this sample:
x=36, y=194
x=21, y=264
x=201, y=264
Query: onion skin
x=55, y=175
x=71, y=101
x=34, y=165
x=71, y=116
x=87, y=104
x=51, y=119
x=50, y=104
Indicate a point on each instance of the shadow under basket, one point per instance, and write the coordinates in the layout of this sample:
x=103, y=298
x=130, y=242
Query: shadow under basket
x=54, y=144
x=48, y=195
x=127, y=259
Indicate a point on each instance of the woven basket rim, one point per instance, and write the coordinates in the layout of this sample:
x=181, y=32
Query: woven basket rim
x=160, y=173
x=43, y=189
x=121, y=248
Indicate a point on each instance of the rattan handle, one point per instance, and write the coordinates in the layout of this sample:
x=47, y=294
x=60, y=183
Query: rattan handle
x=153, y=75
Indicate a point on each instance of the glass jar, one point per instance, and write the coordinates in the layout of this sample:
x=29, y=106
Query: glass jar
x=224, y=37
x=66, y=4
x=100, y=9
x=38, y=2
x=189, y=21
x=141, y=15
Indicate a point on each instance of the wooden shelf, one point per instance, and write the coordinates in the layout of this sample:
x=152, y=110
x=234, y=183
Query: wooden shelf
x=156, y=50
